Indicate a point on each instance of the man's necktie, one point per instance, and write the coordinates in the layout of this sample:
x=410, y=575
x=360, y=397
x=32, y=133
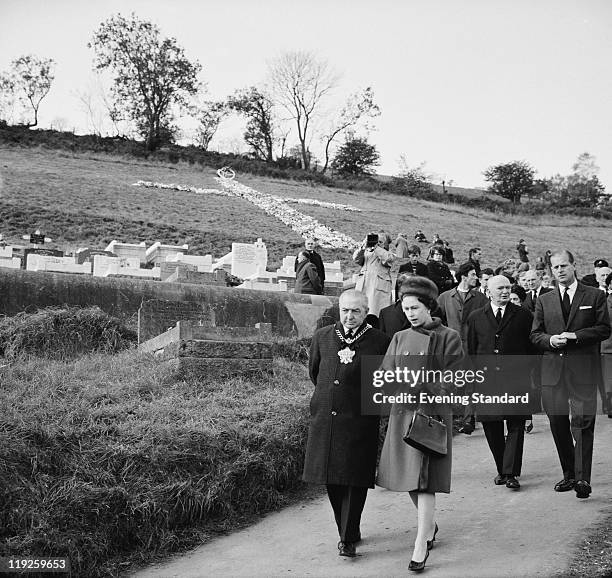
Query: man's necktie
x=566, y=305
x=349, y=334
x=533, y=296
x=498, y=316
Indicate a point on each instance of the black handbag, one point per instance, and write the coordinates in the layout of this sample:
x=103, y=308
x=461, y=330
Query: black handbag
x=427, y=434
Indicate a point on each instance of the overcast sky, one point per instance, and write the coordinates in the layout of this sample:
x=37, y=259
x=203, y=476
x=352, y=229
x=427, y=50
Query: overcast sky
x=462, y=84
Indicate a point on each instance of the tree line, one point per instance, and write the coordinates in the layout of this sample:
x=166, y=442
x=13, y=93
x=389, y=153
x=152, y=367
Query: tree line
x=153, y=83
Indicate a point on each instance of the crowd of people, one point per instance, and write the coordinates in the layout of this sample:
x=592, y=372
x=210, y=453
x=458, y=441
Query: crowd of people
x=538, y=311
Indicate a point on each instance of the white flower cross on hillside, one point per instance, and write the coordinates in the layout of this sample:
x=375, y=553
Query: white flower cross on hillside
x=276, y=206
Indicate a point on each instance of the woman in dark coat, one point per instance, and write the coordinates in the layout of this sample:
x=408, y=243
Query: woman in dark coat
x=306, y=277
x=403, y=468
x=439, y=272
x=343, y=442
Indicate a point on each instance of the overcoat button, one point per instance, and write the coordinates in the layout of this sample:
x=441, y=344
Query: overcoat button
x=336, y=382
x=333, y=413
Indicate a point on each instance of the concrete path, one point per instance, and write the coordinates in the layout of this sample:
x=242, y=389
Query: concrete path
x=485, y=530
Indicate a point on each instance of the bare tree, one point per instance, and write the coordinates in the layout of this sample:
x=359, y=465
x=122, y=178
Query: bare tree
x=300, y=81
x=360, y=108
x=209, y=115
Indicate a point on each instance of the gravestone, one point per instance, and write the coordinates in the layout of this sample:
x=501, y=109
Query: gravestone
x=6, y=252
x=202, y=351
x=248, y=257
x=129, y=250
x=37, y=262
x=204, y=263
x=158, y=253
x=10, y=262
x=104, y=265
x=84, y=254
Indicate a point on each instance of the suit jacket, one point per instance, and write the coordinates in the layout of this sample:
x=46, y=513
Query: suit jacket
x=497, y=347
x=529, y=303
x=392, y=319
x=589, y=319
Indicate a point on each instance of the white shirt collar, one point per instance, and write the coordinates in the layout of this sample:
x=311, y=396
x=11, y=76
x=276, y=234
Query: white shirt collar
x=496, y=307
x=571, y=290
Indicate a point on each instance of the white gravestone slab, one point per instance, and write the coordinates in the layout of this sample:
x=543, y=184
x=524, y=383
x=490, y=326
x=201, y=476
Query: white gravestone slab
x=104, y=265
x=6, y=252
x=129, y=250
x=158, y=253
x=249, y=258
x=204, y=263
x=10, y=262
x=56, y=264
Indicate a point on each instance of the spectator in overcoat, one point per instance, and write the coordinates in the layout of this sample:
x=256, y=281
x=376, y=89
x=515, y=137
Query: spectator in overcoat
x=375, y=276
x=315, y=259
x=306, y=277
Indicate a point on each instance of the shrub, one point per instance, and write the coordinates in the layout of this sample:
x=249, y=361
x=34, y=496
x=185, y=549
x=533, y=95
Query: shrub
x=62, y=333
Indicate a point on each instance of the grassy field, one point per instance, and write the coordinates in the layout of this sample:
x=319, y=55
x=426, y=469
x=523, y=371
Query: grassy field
x=88, y=200
x=110, y=461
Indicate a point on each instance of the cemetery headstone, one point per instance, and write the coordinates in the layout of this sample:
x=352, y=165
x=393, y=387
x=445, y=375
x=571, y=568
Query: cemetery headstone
x=248, y=257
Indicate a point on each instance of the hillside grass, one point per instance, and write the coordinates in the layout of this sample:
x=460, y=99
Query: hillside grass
x=87, y=199
x=111, y=462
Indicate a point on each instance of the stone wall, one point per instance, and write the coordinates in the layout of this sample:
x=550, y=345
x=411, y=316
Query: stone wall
x=288, y=313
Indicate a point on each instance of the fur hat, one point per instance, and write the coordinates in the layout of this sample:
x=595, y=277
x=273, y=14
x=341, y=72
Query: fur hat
x=418, y=287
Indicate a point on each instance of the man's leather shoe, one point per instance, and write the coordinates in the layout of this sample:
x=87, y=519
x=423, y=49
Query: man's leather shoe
x=565, y=485
x=583, y=489
x=418, y=566
x=467, y=429
x=347, y=549
x=499, y=480
x=512, y=483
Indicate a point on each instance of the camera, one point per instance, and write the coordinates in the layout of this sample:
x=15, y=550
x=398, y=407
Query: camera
x=371, y=240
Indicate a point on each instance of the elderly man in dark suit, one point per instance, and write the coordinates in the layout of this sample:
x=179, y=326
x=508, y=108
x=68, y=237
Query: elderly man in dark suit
x=497, y=333
x=569, y=324
x=342, y=443
x=533, y=286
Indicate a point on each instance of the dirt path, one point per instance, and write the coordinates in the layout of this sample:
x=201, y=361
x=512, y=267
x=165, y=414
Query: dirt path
x=485, y=530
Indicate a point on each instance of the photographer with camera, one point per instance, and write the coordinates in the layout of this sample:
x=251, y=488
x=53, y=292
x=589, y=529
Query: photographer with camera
x=374, y=278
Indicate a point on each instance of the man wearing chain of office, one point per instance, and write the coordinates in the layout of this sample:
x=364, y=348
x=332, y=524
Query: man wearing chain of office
x=342, y=443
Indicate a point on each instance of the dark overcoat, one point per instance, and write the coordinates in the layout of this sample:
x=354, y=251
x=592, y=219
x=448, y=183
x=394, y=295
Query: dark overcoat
x=342, y=444
x=307, y=279
x=317, y=261
x=507, y=353
x=530, y=302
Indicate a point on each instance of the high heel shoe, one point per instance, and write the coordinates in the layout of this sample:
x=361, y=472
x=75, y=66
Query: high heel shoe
x=430, y=543
x=418, y=566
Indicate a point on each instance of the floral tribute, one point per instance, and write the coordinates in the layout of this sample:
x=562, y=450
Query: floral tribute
x=276, y=206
